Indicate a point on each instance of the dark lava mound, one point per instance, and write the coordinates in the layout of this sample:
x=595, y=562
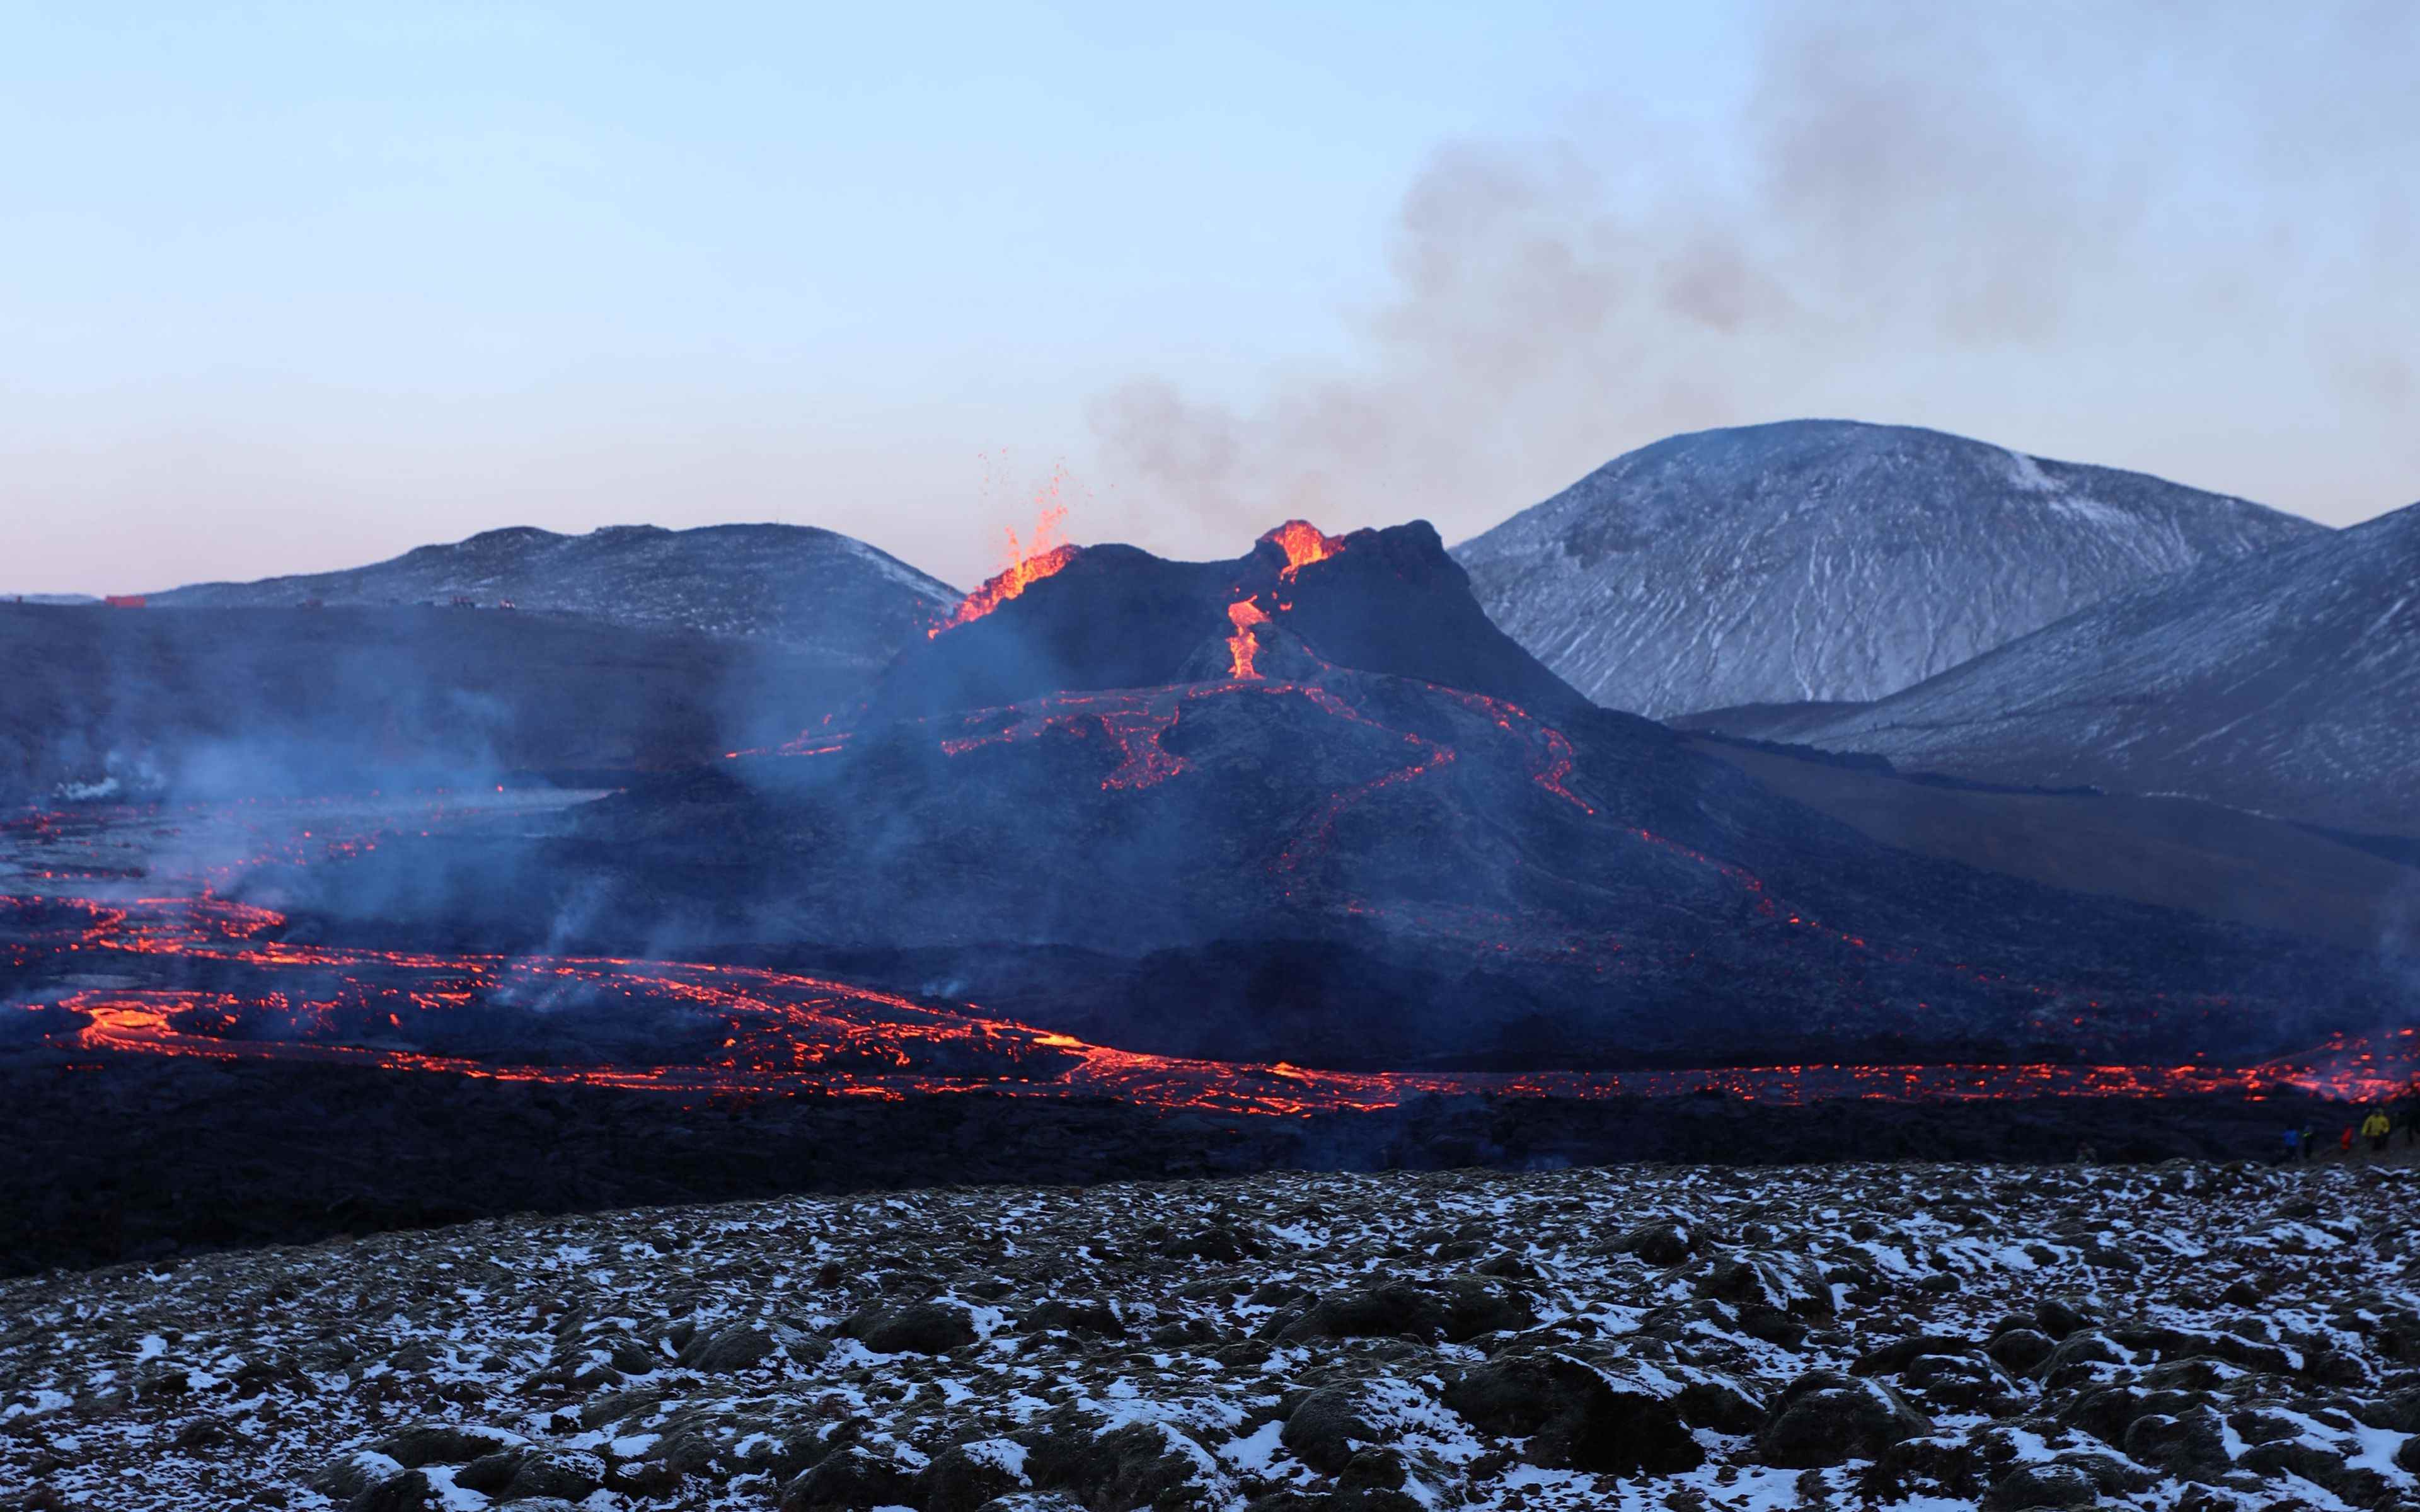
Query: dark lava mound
x=1312, y=805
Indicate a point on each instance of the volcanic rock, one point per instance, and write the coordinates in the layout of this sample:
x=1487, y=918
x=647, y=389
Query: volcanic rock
x=1457, y=1309
x=1076, y=1315
x=1335, y=1423
x=568, y=1475
x=1150, y=1463
x=2191, y=1447
x=2043, y=1486
x=923, y=1328
x=967, y=1476
x=849, y=1479
x=1601, y=1389
x=733, y=1347
x=442, y=1444
x=2059, y=1317
x=1826, y=1418
x=410, y=1492
x=1897, y=1356
x=1576, y=1415
x=1659, y=1243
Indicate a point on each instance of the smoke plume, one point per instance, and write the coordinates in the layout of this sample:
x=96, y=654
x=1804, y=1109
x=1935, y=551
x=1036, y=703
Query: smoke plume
x=2177, y=238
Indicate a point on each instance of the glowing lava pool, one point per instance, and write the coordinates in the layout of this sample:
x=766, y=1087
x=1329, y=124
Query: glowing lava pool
x=116, y=939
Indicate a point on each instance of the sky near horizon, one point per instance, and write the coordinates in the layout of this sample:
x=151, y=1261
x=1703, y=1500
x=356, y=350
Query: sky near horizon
x=289, y=287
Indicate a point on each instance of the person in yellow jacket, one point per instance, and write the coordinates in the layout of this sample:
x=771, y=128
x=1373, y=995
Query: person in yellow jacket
x=2376, y=1128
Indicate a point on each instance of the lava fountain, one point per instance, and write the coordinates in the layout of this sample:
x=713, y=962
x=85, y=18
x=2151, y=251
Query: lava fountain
x=1026, y=563
x=1303, y=544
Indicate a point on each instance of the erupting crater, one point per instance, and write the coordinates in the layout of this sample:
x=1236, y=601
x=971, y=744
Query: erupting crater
x=1303, y=544
x=1027, y=562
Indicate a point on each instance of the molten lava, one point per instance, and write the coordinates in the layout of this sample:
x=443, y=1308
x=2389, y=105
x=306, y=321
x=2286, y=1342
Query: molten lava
x=176, y=969
x=1303, y=544
x=1244, y=645
x=704, y=1029
x=1028, y=562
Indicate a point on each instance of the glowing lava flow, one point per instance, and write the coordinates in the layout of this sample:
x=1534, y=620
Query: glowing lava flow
x=710, y=1029
x=1551, y=760
x=114, y=975
x=701, y=1028
x=1028, y=562
x=1243, y=646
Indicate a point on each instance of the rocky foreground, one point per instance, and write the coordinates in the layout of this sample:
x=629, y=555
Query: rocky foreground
x=2189, y=1335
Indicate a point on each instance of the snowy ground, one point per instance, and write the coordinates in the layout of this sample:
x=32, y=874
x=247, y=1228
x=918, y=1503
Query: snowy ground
x=2180, y=1336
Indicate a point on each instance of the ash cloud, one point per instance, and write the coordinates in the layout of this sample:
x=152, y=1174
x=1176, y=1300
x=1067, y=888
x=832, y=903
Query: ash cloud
x=2166, y=237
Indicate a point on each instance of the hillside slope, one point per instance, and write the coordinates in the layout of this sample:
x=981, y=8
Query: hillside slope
x=1824, y=559
x=2288, y=684
x=815, y=590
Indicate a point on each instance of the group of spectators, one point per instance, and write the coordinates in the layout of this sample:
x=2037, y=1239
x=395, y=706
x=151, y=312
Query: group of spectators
x=2371, y=1131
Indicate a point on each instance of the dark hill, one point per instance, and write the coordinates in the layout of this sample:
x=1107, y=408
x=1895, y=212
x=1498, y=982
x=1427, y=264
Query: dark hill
x=1386, y=601
x=814, y=590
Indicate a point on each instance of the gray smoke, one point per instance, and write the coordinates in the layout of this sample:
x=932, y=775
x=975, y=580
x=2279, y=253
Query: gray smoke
x=2173, y=237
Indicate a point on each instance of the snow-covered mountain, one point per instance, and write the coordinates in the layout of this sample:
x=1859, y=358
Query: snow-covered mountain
x=2286, y=683
x=813, y=590
x=1820, y=560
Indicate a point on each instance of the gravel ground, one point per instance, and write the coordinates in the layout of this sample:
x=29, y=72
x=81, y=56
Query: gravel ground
x=2185, y=1336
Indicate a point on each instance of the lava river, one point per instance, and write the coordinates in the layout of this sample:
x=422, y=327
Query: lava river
x=114, y=941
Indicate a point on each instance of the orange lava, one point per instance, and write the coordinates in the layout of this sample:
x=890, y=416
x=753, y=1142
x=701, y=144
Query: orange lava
x=202, y=975
x=1244, y=645
x=782, y=1032
x=1027, y=562
x=1304, y=544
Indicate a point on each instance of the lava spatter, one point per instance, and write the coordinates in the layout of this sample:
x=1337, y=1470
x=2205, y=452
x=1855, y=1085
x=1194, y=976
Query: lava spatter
x=1244, y=646
x=1027, y=562
x=1303, y=544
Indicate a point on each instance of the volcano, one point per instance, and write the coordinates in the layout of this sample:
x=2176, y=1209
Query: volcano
x=1310, y=805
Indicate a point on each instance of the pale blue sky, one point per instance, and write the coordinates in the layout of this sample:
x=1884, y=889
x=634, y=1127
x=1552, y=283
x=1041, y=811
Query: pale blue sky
x=285, y=287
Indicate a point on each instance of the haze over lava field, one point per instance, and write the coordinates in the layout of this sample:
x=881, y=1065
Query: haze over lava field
x=1298, y=844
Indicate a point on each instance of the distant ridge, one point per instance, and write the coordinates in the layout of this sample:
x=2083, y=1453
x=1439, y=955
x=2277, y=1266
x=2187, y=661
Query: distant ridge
x=809, y=589
x=2288, y=684
x=1827, y=560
